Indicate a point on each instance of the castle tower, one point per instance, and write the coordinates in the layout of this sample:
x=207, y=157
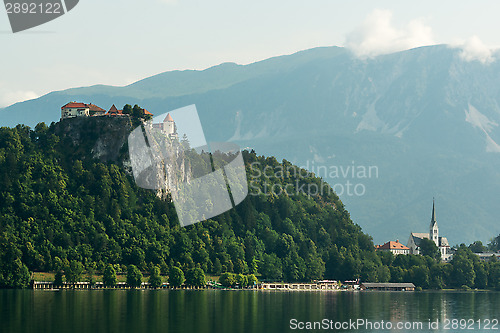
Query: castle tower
x=169, y=125
x=433, y=229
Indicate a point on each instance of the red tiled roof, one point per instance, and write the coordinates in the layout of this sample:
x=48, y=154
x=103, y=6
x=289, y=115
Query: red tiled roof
x=168, y=118
x=114, y=111
x=74, y=105
x=392, y=246
x=95, y=108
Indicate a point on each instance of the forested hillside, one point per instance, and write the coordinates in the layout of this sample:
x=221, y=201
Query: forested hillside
x=59, y=205
x=425, y=118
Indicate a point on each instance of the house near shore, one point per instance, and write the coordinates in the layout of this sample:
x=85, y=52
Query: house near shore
x=393, y=247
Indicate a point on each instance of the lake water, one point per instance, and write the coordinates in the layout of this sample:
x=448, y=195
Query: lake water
x=189, y=311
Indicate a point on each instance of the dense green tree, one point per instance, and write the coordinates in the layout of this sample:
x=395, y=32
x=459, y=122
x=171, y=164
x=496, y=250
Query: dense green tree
x=15, y=275
x=217, y=268
x=227, y=279
x=315, y=267
x=251, y=280
x=90, y=275
x=494, y=275
x=294, y=268
x=240, y=280
x=350, y=268
x=13, y=272
x=386, y=257
x=436, y=277
x=420, y=276
x=369, y=272
x=134, y=276
x=109, y=276
x=463, y=268
x=270, y=267
x=176, y=277
x=127, y=109
x=429, y=248
x=58, y=279
x=494, y=245
x=195, y=277
x=397, y=274
x=74, y=271
x=154, y=277
x=383, y=274
x=481, y=280
x=478, y=247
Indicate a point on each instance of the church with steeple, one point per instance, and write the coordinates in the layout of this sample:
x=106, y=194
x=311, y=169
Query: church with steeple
x=441, y=242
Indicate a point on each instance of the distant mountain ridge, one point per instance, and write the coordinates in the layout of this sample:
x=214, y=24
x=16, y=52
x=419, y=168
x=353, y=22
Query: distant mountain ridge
x=425, y=117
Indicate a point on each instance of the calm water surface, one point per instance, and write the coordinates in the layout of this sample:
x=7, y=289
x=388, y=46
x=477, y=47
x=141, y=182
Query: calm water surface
x=239, y=311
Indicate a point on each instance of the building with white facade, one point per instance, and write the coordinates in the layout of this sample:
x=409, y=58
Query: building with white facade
x=393, y=247
x=74, y=109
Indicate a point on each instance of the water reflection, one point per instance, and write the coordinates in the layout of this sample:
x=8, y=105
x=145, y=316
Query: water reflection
x=230, y=311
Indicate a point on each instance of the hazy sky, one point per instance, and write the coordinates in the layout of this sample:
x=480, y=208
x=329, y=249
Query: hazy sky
x=120, y=41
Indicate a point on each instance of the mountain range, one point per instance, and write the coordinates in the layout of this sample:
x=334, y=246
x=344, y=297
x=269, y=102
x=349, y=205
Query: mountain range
x=390, y=132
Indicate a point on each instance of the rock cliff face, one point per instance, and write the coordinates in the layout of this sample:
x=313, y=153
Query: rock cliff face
x=102, y=138
x=157, y=162
x=106, y=139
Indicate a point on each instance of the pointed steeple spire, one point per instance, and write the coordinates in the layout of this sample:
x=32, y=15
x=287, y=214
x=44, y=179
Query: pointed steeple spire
x=433, y=218
x=434, y=230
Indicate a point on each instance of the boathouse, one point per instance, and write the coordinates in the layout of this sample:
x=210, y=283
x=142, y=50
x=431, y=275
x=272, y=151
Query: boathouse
x=388, y=286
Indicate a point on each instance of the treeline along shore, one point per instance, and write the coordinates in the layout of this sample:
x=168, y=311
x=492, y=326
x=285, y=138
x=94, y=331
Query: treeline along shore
x=68, y=210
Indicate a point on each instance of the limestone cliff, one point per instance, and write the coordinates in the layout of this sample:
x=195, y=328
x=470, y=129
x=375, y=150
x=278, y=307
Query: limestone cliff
x=106, y=140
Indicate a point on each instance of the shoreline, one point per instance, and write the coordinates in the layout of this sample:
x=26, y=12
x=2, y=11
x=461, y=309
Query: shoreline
x=82, y=286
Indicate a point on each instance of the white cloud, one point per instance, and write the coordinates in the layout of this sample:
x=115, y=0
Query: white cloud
x=9, y=97
x=377, y=35
x=473, y=49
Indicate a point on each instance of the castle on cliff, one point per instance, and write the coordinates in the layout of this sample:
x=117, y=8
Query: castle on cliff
x=77, y=109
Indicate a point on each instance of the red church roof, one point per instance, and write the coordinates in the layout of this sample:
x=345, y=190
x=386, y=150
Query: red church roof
x=146, y=112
